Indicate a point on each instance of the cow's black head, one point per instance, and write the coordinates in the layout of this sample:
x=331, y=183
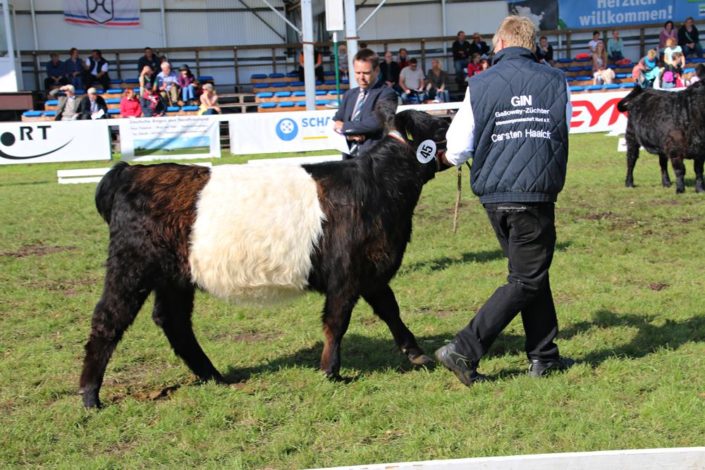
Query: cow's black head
x=625, y=103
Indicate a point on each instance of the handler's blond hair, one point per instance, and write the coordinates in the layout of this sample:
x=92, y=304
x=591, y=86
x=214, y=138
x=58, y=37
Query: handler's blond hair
x=516, y=31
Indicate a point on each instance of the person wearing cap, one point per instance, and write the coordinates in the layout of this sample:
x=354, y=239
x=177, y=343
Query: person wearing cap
x=92, y=106
x=67, y=110
x=209, y=100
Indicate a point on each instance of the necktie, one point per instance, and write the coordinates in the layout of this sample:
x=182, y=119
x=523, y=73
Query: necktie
x=358, y=106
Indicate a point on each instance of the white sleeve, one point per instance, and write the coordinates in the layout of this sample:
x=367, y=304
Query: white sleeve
x=460, y=135
x=104, y=68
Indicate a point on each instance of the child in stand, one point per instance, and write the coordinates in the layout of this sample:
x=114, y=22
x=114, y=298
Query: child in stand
x=187, y=83
x=474, y=66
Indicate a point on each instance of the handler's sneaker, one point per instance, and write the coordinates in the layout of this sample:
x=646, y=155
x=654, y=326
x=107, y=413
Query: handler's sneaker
x=460, y=365
x=539, y=368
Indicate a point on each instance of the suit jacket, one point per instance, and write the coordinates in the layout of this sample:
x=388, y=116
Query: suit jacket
x=84, y=107
x=369, y=124
x=63, y=104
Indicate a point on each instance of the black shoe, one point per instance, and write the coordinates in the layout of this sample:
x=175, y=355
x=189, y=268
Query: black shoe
x=539, y=368
x=460, y=365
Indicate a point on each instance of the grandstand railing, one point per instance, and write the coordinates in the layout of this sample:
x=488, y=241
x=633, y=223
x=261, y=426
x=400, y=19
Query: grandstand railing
x=240, y=62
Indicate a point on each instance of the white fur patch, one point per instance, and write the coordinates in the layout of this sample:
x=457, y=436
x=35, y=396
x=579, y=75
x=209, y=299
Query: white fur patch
x=255, y=230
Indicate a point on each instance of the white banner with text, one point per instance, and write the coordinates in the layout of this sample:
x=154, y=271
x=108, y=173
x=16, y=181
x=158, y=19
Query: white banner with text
x=597, y=112
x=53, y=142
x=178, y=137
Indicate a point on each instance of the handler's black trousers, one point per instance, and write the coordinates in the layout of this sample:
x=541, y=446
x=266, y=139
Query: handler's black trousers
x=527, y=235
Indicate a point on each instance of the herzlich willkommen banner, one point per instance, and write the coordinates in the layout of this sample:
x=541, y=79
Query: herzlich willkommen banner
x=107, y=13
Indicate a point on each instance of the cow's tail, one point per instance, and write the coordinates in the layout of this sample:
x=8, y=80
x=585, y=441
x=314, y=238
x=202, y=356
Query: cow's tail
x=108, y=186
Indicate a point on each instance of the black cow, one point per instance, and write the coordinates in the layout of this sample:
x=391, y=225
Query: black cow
x=669, y=124
x=256, y=234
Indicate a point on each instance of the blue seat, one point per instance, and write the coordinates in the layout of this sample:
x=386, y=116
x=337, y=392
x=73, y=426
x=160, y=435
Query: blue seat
x=292, y=74
x=276, y=75
x=189, y=108
x=574, y=68
x=300, y=104
x=345, y=81
x=321, y=92
x=328, y=73
x=261, y=85
x=114, y=91
x=32, y=113
x=335, y=92
x=286, y=104
x=49, y=113
x=299, y=93
x=52, y=102
x=268, y=105
x=627, y=85
x=205, y=78
x=575, y=89
x=282, y=94
x=112, y=112
x=329, y=82
x=112, y=101
x=116, y=82
x=173, y=109
x=280, y=85
x=258, y=76
x=689, y=70
x=582, y=78
x=321, y=102
x=319, y=83
x=622, y=76
x=264, y=95
x=565, y=60
x=696, y=60
x=593, y=88
x=297, y=83
x=586, y=59
x=611, y=86
x=80, y=91
x=131, y=81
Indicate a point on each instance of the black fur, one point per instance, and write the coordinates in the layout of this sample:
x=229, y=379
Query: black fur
x=669, y=124
x=368, y=203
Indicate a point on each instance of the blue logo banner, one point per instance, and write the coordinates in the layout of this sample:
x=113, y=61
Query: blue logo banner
x=609, y=13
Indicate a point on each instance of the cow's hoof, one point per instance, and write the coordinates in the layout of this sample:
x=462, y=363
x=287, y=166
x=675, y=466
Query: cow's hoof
x=421, y=360
x=334, y=376
x=629, y=184
x=90, y=399
x=699, y=188
x=680, y=190
x=666, y=184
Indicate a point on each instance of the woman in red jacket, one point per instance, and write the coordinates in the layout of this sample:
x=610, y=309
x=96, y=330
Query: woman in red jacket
x=129, y=105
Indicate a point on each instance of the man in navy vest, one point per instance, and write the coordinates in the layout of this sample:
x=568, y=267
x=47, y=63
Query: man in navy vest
x=513, y=123
x=355, y=117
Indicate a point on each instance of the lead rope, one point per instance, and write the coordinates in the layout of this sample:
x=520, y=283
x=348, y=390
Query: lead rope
x=458, y=193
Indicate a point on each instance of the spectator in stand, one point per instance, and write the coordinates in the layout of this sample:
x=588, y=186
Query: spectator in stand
x=149, y=58
x=593, y=42
x=92, y=106
x=130, y=106
x=317, y=62
x=68, y=104
x=187, y=83
x=389, y=72
x=168, y=84
x=667, y=32
x=615, y=47
x=673, y=57
x=97, y=70
x=601, y=74
x=484, y=64
x=56, y=73
x=474, y=67
x=403, y=58
x=478, y=46
x=646, y=71
x=689, y=39
x=74, y=68
x=343, y=61
x=699, y=74
x=544, y=52
x=209, y=100
x=147, y=80
x=152, y=103
x=412, y=83
x=437, y=83
x=461, y=56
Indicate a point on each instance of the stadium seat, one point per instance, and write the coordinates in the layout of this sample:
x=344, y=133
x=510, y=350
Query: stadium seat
x=622, y=76
x=276, y=76
x=114, y=91
x=292, y=74
x=593, y=88
x=321, y=93
x=697, y=60
x=261, y=85
x=329, y=82
x=286, y=104
x=116, y=81
x=576, y=89
x=113, y=112
x=565, y=60
x=189, y=108
x=611, y=86
x=32, y=113
x=321, y=102
x=50, y=114
x=328, y=73
x=131, y=81
x=112, y=101
x=300, y=104
x=264, y=95
x=51, y=103
x=689, y=70
x=582, y=78
x=297, y=84
x=205, y=78
x=173, y=109
x=267, y=105
x=282, y=94
x=574, y=68
x=627, y=85
x=258, y=76
x=279, y=85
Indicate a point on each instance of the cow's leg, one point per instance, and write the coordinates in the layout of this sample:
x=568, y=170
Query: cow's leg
x=385, y=306
x=632, y=157
x=336, y=318
x=698, y=164
x=123, y=296
x=172, y=312
x=663, y=162
x=679, y=171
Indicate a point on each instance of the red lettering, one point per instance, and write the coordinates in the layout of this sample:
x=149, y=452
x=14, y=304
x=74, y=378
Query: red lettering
x=594, y=112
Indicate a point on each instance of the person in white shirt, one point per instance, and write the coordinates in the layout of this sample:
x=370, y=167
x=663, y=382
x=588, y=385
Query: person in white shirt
x=97, y=70
x=412, y=81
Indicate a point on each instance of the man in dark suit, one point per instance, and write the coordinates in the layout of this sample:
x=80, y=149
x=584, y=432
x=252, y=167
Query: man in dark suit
x=92, y=106
x=356, y=118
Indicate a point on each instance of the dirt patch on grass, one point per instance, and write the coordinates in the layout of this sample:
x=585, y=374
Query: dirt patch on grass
x=658, y=286
x=249, y=336
x=69, y=287
x=37, y=250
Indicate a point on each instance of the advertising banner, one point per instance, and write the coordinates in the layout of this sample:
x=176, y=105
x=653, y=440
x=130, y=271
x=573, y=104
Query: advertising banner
x=607, y=13
x=281, y=132
x=177, y=137
x=105, y=13
x=52, y=142
x=543, y=13
x=597, y=112
x=684, y=9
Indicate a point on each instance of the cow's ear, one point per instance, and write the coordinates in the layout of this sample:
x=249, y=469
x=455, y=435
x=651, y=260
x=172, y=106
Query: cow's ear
x=405, y=123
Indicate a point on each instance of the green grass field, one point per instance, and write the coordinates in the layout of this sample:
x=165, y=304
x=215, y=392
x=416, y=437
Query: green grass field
x=628, y=283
